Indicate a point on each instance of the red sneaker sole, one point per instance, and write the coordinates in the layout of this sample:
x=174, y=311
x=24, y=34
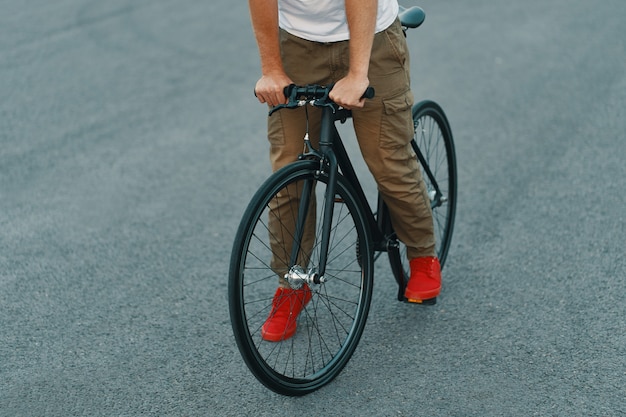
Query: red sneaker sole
x=427, y=302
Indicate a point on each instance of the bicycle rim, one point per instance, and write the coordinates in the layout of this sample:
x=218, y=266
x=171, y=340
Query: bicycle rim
x=330, y=326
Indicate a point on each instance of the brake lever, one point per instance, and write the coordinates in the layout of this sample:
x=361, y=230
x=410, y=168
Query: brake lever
x=290, y=105
x=288, y=91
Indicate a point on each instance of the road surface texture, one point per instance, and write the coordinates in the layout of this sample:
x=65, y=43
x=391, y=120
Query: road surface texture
x=131, y=144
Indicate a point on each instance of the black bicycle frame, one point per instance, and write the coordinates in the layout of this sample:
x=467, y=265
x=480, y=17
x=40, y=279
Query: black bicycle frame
x=333, y=159
x=337, y=150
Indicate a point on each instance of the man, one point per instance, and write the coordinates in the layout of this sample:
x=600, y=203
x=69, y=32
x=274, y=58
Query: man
x=354, y=44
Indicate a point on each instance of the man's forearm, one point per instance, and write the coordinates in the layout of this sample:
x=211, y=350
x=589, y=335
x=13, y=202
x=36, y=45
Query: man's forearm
x=264, y=15
x=361, y=15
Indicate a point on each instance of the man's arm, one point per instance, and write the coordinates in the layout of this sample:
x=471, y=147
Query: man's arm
x=269, y=88
x=361, y=15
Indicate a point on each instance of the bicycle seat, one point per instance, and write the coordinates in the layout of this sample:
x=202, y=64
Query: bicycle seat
x=411, y=17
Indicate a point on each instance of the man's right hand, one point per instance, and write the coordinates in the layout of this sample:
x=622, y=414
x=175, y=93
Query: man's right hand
x=270, y=89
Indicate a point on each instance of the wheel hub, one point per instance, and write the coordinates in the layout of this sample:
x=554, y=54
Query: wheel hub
x=297, y=277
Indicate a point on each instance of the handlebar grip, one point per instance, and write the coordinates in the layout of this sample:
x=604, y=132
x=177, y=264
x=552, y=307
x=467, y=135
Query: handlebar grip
x=369, y=93
x=287, y=90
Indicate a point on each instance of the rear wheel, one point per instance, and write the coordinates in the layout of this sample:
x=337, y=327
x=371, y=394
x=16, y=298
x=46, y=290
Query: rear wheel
x=434, y=147
x=330, y=326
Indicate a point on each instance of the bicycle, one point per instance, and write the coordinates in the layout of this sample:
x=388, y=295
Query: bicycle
x=338, y=266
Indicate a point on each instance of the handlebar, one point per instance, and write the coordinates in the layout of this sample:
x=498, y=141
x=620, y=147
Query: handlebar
x=315, y=95
x=315, y=92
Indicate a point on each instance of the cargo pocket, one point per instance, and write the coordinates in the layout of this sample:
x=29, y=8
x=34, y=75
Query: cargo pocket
x=396, y=129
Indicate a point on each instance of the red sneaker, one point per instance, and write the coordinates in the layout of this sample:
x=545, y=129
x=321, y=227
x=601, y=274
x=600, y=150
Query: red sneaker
x=287, y=305
x=425, y=282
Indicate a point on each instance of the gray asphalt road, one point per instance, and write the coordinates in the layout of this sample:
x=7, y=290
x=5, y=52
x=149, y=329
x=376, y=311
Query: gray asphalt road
x=130, y=145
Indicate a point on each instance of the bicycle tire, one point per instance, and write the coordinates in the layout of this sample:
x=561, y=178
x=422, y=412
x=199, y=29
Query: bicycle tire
x=330, y=326
x=433, y=139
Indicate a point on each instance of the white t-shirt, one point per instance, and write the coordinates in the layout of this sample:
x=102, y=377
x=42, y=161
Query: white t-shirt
x=325, y=20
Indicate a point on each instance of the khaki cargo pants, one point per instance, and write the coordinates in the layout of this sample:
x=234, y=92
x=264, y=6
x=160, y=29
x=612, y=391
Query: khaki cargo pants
x=384, y=129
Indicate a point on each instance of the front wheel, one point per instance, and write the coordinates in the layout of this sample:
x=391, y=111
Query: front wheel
x=287, y=212
x=434, y=147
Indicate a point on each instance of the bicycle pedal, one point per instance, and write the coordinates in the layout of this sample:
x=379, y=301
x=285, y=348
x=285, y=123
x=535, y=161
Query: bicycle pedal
x=427, y=302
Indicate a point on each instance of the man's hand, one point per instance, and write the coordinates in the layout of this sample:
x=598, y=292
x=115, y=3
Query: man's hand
x=361, y=15
x=348, y=91
x=270, y=89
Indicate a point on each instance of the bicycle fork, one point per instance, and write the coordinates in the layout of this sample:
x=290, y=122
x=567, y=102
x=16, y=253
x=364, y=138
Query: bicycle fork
x=297, y=276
